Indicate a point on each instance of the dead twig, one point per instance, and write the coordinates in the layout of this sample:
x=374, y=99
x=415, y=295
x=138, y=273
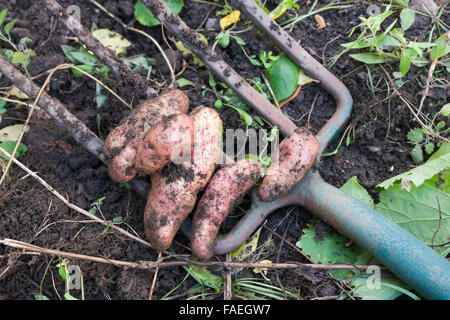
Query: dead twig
x=427, y=85
x=145, y=265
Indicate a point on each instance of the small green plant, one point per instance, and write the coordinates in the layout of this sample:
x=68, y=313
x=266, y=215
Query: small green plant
x=20, y=55
x=85, y=61
x=391, y=44
x=96, y=205
x=423, y=140
x=65, y=275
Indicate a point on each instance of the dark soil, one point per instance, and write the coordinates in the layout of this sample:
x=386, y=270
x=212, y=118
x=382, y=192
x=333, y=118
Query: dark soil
x=378, y=150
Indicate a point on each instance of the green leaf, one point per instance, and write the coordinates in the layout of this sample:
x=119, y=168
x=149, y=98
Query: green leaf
x=353, y=188
x=84, y=57
x=407, y=17
x=68, y=296
x=85, y=68
x=23, y=58
x=64, y=273
x=9, y=146
x=331, y=249
x=415, y=135
x=2, y=106
x=247, y=248
x=146, y=17
x=205, y=277
x=283, y=75
x=182, y=82
x=429, y=147
x=68, y=50
x=369, y=57
x=40, y=297
x=218, y=104
x=417, y=154
x=9, y=26
x=405, y=64
x=418, y=211
x=441, y=49
x=438, y=162
x=445, y=111
x=3, y=16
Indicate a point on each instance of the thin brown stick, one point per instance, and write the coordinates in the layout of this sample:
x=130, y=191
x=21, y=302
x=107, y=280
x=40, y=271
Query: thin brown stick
x=427, y=85
x=155, y=276
x=145, y=265
x=227, y=293
x=74, y=207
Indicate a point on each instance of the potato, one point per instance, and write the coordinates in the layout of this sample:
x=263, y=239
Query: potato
x=121, y=167
x=118, y=144
x=175, y=188
x=223, y=191
x=166, y=141
x=294, y=158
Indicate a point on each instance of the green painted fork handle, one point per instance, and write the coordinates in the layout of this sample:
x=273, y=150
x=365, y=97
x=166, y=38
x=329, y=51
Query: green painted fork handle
x=402, y=253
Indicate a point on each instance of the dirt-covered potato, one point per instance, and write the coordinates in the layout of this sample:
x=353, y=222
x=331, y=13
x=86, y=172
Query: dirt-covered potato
x=167, y=141
x=135, y=127
x=121, y=167
x=175, y=188
x=294, y=158
x=223, y=191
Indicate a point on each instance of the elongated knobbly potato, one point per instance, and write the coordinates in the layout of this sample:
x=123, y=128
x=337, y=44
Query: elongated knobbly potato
x=294, y=158
x=134, y=128
x=165, y=142
x=175, y=188
x=223, y=191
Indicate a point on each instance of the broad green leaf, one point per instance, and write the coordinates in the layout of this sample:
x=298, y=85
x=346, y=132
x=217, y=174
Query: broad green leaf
x=368, y=57
x=146, y=17
x=3, y=16
x=415, y=135
x=12, y=133
x=445, y=111
x=64, y=273
x=441, y=49
x=23, y=58
x=182, y=82
x=429, y=147
x=247, y=248
x=330, y=250
x=84, y=57
x=113, y=40
x=360, y=283
x=438, y=162
x=2, y=106
x=419, y=46
x=407, y=17
x=85, y=67
x=9, y=146
x=205, y=277
x=283, y=76
x=424, y=211
x=417, y=154
x=405, y=64
x=68, y=50
x=9, y=26
x=357, y=191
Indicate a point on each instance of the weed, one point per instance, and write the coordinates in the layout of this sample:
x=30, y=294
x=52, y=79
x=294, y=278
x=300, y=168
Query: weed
x=20, y=55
